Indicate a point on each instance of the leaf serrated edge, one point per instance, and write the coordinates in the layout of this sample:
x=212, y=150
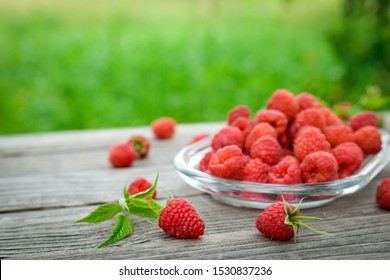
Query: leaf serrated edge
x=123, y=228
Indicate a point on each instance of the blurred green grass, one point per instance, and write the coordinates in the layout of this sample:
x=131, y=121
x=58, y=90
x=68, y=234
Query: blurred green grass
x=98, y=64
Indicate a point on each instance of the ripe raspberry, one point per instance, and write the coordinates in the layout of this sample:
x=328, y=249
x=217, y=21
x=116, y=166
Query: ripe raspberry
x=255, y=171
x=205, y=161
x=228, y=135
x=330, y=117
x=141, y=145
x=275, y=118
x=179, y=219
x=198, y=137
x=319, y=167
x=260, y=130
x=369, y=139
x=337, y=134
x=268, y=149
x=228, y=162
x=244, y=124
x=308, y=141
x=383, y=194
x=306, y=100
x=284, y=101
x=312, y=117
x=236, y=112
x=255, y=196
x=122, y=155
x=286, y=172
x=349, y=157
x=363, y=119
x=164, y=128
x=140, y=184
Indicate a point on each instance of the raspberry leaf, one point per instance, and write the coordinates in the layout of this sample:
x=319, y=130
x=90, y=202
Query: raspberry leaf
x=102, y=213
x=126, y=194
x=149, y=192
x=144, y=208
x=123, y=228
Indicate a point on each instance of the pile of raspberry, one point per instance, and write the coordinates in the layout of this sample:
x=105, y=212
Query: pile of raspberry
x=294, y=139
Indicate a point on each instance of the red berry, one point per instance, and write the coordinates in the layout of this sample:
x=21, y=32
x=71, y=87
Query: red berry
x=260, y=130
x=319, y=167
x=363, y=119
x=244, y=124
x=337, y=134
x=205, y=161
x=312, y=117
x=198, y=137
x=308, y=141
x=284, y=101
x=255, y=171
x=349, y=157
x=141, y=145
x=228, y=135
x=369, y=139
x=140, y=184
x=236, y=112
x=306, y=100
x=383, y=194
x=228, y=162
x=287, y=171
x=268, y=149
x=164, y=128
x=179, y=219
x=122, y=155
x=330, y=117
x=275, y=118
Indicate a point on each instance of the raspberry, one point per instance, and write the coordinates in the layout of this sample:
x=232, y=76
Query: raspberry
x=254, y=196
x=228, y=135
x=255, y=171
x=228, y=162
x=179, y=219
x=306, y=100
x=383, y=194
x=349, y=157
x=267, y=149
x=275, y=118
x=198, y=137
x=140, y=184
x=205, y=161
x=319, y=167
x=312, y=117
x=244, y=124
x=330, y=117
x=337, y=134
x=164, y=128
x=308, y=141
x=284, y=141
x=284, y=101
x=122, y=155
x=363, y=119
x=260, y=130
x=369, y=139
x=236, y=112
x=141, y=145
x=287, y=171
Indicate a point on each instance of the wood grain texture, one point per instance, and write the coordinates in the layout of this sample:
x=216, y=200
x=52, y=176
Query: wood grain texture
x=48, y=181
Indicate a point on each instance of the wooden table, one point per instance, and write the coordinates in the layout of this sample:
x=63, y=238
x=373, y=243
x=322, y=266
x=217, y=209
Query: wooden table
x=49, y=180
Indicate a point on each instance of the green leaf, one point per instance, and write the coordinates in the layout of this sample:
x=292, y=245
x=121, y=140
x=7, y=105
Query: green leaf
x=149, y=192
x=126, y=194
x=144, y=208
x=123, y=228
x=142, y=212
x=102, y=213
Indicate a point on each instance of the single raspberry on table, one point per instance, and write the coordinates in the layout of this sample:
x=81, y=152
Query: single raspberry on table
x=236, y=112
x=349, y=157
x=140, y=184
x=308, y=141
x=274, y=117
x=228, y=135
x=383, y=194
x=268, y=149
x=312, y=117
x=319, y=167
x=255, y=171
x=281, y=221
x=179, y=219
x=362, y=119
x=284, y=101
x=141, y=145
x=260, y=130
x=164, y=128
x=306, y=100
x=337, y=134
x=122, y=155
x=369, y=139
x=227, y=162
x=287, y=171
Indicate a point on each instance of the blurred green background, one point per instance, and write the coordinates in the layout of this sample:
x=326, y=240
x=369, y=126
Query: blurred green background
x=89, y=64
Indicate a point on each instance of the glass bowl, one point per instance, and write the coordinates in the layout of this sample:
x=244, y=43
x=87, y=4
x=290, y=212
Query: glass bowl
x=259, y=195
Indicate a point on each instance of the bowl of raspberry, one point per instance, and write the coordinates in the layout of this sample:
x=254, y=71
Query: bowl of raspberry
x=295, y=148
